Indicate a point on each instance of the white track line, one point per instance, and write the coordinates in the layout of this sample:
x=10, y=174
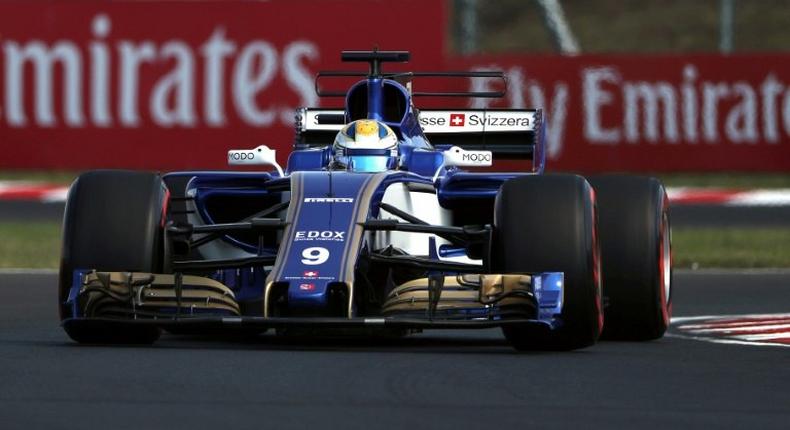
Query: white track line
x=762, y=339
x=728, y=197
x=680, y=320
x=759, y=337
x=703, y=330
x=761, y=198
x=725, y=341
x=735, y=325
x=55, y=196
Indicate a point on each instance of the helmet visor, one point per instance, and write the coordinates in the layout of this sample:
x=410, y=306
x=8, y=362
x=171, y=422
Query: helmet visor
x=368, y=163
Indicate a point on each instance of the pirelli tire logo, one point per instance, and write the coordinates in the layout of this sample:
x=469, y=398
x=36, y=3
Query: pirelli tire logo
x=329, y=200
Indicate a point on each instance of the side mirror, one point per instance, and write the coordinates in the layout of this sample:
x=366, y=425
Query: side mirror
x=457, y=156
x=260, y=156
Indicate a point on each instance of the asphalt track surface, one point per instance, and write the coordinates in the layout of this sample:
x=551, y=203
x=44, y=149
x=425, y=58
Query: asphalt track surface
x=24, y=210
x=440, y=379
x=682, y=216
x=730, y=216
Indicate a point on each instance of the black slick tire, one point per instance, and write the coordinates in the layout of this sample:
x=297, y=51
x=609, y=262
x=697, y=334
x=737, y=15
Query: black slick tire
x=636, y=253
x=113, y=222
x=547, y=223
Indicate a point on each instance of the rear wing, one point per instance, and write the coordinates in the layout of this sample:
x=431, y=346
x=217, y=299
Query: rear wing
x=508, y=133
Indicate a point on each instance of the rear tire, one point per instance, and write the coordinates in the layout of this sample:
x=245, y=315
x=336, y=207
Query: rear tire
x=636, y=252
x=113, y=222
x=548, y=224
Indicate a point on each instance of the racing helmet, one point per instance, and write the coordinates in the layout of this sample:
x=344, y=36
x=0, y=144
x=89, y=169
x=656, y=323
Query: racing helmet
x=366, y=145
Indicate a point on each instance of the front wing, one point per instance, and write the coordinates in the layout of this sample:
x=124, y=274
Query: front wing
x=441, y=302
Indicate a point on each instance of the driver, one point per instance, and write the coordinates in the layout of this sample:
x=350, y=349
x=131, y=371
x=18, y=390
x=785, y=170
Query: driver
x=366, y=145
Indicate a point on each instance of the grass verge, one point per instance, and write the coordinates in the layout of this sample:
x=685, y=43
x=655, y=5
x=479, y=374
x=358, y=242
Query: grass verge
x=37, y=245
x=62, y=177
x=29, y=244
x=731, y=247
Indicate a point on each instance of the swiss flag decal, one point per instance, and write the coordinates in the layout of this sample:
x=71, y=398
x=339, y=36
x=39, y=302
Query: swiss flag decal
x=457, y=119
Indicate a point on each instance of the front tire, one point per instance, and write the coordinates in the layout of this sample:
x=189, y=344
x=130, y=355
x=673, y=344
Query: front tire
x=548, y=224
x=113, y=222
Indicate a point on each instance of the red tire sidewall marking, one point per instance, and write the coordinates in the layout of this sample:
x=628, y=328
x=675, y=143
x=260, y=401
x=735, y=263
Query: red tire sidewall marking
x=596, y=260
x=665, y=302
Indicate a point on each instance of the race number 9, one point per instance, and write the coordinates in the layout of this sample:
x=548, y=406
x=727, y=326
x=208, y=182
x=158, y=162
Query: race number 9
x=315, y=255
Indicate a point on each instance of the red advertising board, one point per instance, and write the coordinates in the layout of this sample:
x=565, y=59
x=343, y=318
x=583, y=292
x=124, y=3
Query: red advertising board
x=654, y=113
x=175, y=84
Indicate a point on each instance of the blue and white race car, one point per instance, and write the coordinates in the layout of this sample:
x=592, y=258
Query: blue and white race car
x=374, y=224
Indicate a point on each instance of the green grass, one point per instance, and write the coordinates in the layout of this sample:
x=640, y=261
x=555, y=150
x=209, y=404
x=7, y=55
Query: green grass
x=731, y=247
x=37, y=245
x=29, y=244
x=50, y=176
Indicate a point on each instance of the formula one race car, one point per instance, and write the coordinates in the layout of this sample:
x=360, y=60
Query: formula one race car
x=373, y=225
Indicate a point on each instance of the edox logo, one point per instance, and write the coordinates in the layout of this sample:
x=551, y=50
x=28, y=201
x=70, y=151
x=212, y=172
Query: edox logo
x=331, y=235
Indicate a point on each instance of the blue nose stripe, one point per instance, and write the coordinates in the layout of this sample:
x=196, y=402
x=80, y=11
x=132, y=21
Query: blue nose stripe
x=323, y=239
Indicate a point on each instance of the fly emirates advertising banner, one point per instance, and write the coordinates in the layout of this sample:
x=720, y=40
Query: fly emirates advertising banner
x=174, y=85
x=652, y=113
